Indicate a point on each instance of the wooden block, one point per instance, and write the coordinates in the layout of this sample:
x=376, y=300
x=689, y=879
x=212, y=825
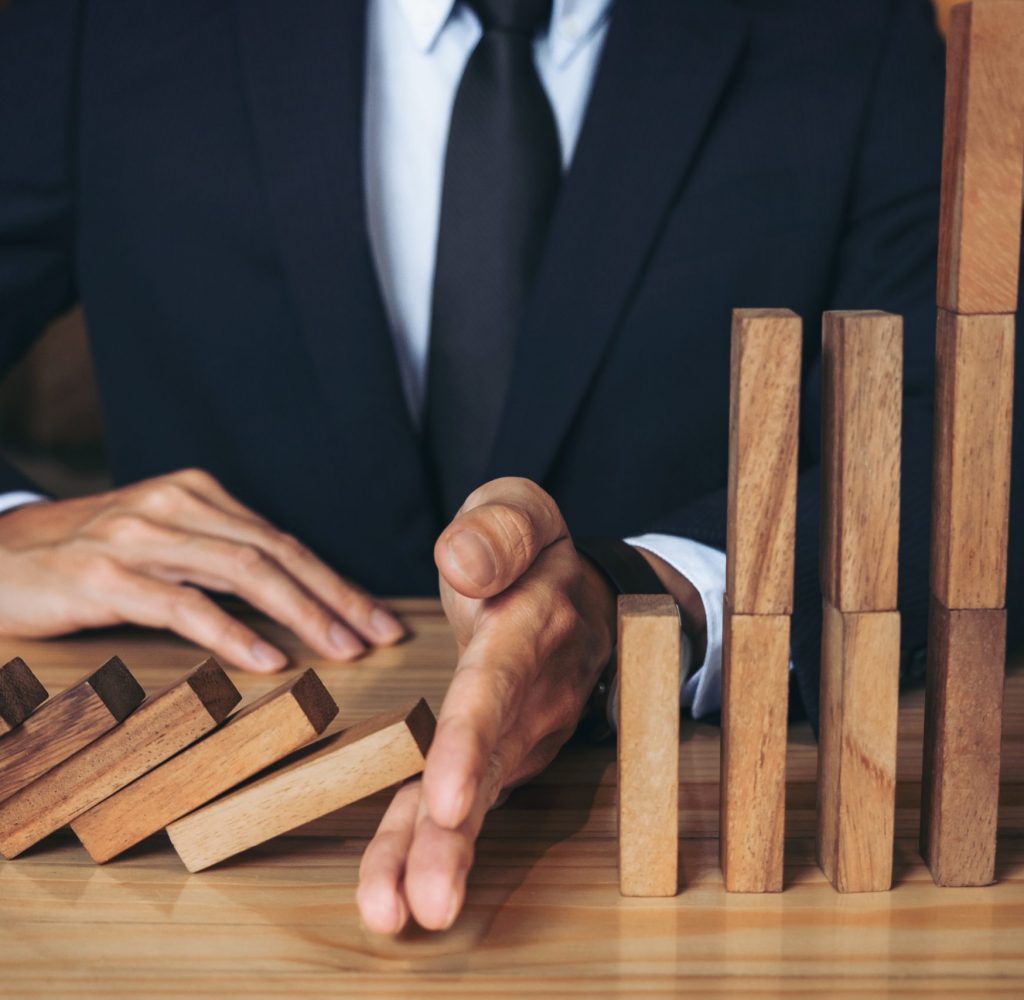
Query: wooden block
x=752, y=787
x=764, y=409
x=963, y=714
x=860, y=667
x=862, y=357
x=333, y=772
x=163, y=725
x=20, y=694
x=648, y=745
x=971, y=481
x=982, y=158
x=259, y=735
x=66, y=723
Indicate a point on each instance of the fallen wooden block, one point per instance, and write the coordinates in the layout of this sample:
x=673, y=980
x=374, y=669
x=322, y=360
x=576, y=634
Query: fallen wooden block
x=66, y=723
x=862, y=357
x=963, y=715
x=752, y=786
x=163, y=725
x=764, y=408
x=982, y=158
x=648, y=745
x=971, y=483
x=259, y=735
x=20, y=694
x=333, y=772
x=860, y=665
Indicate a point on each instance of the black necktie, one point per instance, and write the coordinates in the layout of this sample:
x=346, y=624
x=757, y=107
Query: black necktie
x=501, y=177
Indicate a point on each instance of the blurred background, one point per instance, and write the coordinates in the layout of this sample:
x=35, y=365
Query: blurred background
x=50, y=421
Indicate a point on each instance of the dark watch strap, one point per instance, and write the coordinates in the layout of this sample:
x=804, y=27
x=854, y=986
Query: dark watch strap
x=628, y=572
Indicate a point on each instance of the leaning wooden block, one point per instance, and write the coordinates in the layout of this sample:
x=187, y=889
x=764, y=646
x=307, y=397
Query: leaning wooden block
x=333, y=772
x=982, y=158
x=971, y=481
x=20, y=694
x=752, y=787
x=860, y=666
x=963, y=713
x=648, y=745
x=259, y=735
x=66, y=723
x=163, y=725
x=862, y=356
x=764, y=408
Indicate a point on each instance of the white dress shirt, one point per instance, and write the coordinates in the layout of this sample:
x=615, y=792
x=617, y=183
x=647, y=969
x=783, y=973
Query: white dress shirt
x=416, y=53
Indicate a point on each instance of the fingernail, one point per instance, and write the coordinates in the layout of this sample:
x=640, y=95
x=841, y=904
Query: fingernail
x=473, y=557
x=346, y=644
x=385, y=627
x=266, y=657
x=453, y=911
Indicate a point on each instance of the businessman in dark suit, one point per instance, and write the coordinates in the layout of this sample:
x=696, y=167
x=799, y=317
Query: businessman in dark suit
x=350, y=267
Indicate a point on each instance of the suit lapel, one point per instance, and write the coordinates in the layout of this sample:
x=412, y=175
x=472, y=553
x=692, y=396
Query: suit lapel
x=662, y=73
x=303, y=65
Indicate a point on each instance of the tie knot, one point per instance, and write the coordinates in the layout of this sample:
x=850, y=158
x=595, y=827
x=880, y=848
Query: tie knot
x=526, y=17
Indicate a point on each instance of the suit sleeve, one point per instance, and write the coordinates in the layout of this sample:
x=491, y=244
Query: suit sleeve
x=37, y=94
x=885, y=259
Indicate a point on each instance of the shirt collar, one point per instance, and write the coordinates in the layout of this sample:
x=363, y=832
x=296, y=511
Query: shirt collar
x=572, y=22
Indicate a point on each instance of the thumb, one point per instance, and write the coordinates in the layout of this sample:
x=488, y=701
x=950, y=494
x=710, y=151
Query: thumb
x=497, y=535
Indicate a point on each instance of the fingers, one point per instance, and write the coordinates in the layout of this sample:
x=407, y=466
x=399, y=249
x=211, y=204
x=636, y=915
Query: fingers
x=495, y=538
x=414, y=867
x=245, y=570
x=192, y=501
x=482, y=702
x=143, y=601
x=380, y=896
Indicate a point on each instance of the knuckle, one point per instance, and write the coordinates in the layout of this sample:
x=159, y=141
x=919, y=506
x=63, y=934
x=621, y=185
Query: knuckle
x=250, y=559
x=162, y=496
x=103, y=572
x=126, y=529
x=187, y=604
x=194, y=476
x=516, y=529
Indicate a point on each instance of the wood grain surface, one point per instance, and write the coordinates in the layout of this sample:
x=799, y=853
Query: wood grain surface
x=20, y=694
x=755, y=697
x=648, y=745
x=974, y=358
x=67, y=723
x=862, y=392
x=544, y=917
x=334, y=772
x=960, y=791
x=258, y=735
x=860, y=667
x=764, y=416
x=982, y=158
x=164, y=724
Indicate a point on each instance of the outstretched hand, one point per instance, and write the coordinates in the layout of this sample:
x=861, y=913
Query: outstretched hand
x=535, y=624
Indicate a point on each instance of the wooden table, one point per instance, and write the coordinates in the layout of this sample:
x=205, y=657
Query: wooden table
x=543, y=916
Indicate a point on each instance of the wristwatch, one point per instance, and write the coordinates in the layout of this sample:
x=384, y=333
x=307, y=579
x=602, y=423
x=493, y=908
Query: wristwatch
x=628, y=572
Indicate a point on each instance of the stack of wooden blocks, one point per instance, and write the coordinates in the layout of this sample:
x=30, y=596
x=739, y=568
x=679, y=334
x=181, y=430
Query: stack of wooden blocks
x=862, y=361
x=118, y=766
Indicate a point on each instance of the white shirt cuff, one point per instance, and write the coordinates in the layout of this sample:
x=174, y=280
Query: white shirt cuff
x=704, y=567
x=19, y=498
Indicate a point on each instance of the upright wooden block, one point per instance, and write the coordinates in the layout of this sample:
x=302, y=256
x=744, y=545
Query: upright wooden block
x=764, y=408
x=963, y=714
x=20, y=694
x=163, y=725
x=333, y=772
x=752, y=786
x=66, y=723
x=259, y=735
x=862, y=355
x=982, y=158
x=971, y=484
x=860, y=666
x=648, y=745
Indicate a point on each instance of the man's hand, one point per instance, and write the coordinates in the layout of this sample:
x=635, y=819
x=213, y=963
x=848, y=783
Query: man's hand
x=138, y=555
x=535, y=624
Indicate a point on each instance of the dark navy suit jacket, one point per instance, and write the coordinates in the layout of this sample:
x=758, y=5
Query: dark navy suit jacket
x=192, y=173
